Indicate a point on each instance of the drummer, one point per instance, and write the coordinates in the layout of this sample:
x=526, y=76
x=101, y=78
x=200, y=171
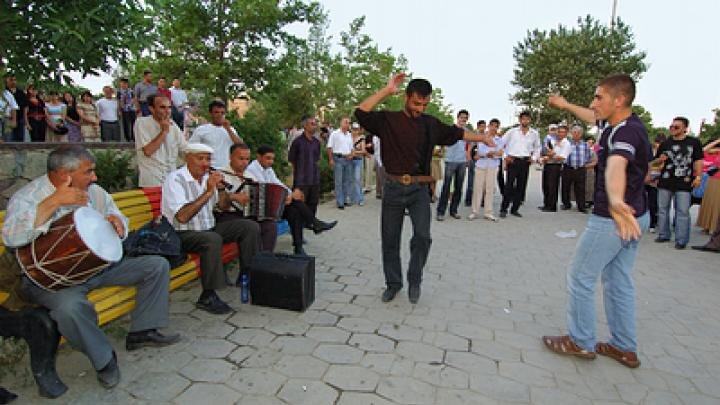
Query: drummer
x=189, y=196
x=297, y=213
x=68, y=184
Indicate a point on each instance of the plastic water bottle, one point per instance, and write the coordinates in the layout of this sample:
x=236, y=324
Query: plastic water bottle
x=244, y=289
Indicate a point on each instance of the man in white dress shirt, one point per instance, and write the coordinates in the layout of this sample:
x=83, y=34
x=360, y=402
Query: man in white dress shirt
x=218, y=134
x=339, y=148
x=297, y=213
x=556, y=150
x=158, y=142
x=522, y=146
x=179, y=103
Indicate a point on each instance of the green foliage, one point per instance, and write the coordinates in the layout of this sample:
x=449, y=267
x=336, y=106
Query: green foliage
x=115, y=170
x=43, y=39
x=711, y=131
x=571, y=61
x=646, y=118
x=222, y=47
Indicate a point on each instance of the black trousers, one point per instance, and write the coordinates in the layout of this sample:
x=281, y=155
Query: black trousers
x=501, y=177
x=37, y=130
x=41, y=334
x=652, y=199
x=208, y=244
x=574, y=178
x=128, y=120
x=517, y=175
x=551, y=184
x=298, y=215
x=312, y=196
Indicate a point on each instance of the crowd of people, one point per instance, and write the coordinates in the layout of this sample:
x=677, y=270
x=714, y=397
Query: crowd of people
x=37, y=116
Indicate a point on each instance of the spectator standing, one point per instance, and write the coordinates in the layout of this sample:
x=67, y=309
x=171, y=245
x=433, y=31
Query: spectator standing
x=143, y=90
x=125, y=97
x=8, y=114
x=590, y=174
x=18, y=133
x=556, y=149
x=472, y=157
x=357, y=195
x=218, y=134
x=522, y=146
x=485, y=168
x=573, y=175
x=55, y=117
x=35, y=111
x=709, y=213
x=455, y=162
x=304, y=155
x=339, y=149
x=108, y=110
x=179, y=103
x=89, y=118
x=158, y=142
x=379, y=169
x=436, y=171
x=651, y=183
x=162, y=88
x=549, y=169
x=72, y=118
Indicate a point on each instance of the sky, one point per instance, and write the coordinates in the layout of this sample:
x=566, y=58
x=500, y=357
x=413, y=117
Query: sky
x=465, y=47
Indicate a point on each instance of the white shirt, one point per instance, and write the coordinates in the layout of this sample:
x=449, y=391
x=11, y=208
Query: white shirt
x=108, y=109
x=216, y=137
x=7, y=104
x=259, y=174
x=153, y=170
x=340, y=142
x=518, y=144
x=178, y=97
x=486, y=162
x=562, y=149
x=181, y=188
x=376, y=146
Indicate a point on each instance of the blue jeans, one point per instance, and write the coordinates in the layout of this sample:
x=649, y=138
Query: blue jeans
x=682, y=215
x=454, y=171
x=343, y=180
x=357, y=196
x=601, y=253
x=415, y=198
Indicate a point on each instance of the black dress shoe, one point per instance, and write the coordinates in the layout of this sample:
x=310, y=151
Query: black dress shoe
x=213, y=304
x=516, y=214
x=389, y=294
x=147, y=338
x=582, y=210
x=680, y=246
x=544, y=209
x=661, y=240
x=6, y=396
x=414, y=293
x=566, y=207
x=109, y=376
x=503, y=214
x=321, y=226
x=705, y=248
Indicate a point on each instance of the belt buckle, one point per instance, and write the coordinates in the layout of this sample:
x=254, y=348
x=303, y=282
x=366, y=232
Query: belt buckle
x=405, y=179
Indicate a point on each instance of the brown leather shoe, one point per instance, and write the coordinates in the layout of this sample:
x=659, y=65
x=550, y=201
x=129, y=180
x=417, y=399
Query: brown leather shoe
x=628, y=359
x=565, y=345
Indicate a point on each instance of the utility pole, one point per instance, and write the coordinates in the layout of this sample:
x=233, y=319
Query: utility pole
x=612, y=18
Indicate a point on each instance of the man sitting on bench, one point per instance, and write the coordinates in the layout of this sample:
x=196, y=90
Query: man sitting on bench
x=69, y=184
x=298, y=214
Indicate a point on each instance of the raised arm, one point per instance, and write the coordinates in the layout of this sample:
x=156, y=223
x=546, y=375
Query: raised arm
x=391, y=88
x=583, y=113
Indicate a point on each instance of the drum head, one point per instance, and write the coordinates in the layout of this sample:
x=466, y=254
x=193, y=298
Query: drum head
x=98, y=234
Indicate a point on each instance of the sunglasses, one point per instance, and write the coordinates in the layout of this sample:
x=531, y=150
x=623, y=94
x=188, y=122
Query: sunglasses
x=675, y=127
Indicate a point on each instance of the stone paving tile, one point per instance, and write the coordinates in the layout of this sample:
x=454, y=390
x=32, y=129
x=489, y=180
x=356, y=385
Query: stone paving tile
x=472, y=339
x=307, y=392
x=209, y=394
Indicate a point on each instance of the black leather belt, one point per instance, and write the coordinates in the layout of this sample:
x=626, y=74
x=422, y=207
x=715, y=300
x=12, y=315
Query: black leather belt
x=340, y=155
x=406, y=179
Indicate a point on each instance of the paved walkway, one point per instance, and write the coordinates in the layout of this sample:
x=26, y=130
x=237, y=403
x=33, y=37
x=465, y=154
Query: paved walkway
x=490, y=291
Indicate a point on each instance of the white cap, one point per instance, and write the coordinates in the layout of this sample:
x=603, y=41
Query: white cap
x=553, y=126
x=198, y=148
x=355, y=125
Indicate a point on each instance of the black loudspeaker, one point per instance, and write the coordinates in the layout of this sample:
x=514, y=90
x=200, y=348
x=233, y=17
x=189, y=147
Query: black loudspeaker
x=282, y=281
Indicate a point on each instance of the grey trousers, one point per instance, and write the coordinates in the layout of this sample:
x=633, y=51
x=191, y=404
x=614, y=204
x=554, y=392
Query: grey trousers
x=76, y=317
x=208, y=244
x=110, y=131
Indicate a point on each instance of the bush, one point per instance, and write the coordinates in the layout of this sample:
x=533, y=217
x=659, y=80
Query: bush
x=115, y=170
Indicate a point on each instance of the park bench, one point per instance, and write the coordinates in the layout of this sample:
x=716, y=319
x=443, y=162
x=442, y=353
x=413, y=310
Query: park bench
x=139, y=206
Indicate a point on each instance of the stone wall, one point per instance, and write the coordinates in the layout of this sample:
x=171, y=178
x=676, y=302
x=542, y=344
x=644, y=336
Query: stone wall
x=22, y=162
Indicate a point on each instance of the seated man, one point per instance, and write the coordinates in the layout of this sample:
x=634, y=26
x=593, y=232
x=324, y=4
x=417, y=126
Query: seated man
x=188, y=197
x=296, y=211
x=68, y=184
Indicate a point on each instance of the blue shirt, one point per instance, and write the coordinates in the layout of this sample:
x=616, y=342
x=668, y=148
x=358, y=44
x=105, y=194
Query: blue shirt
x=456, y=152
x=579, y=154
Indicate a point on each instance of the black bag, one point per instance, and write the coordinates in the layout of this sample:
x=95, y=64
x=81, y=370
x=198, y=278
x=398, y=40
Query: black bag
x=282, y=281
x=157, y=237
x=60, y=128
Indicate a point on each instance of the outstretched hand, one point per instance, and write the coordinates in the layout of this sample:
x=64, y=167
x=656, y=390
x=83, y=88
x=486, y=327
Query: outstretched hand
x=395, y=82
x=557, y=101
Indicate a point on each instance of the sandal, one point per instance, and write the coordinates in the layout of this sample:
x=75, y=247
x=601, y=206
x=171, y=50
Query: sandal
x=628, y=359
x=565, y=345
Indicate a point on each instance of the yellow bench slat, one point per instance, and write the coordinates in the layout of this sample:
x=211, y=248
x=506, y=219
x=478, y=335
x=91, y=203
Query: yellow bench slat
x=127, y=194
x=131, y=202
x=115, y=312
x=125, y=294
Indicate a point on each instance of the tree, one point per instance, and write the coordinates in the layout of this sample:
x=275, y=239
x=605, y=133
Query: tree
x=43, y=39
x=224, y=47
x=571, y=61
x=646, y=118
